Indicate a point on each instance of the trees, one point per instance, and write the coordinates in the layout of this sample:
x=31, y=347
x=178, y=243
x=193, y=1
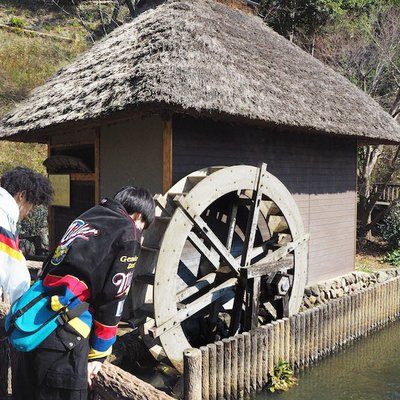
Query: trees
x=369, y=55
x=301, y=20
x=361, y=40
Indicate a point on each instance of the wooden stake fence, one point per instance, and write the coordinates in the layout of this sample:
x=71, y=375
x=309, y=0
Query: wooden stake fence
x=239, y=366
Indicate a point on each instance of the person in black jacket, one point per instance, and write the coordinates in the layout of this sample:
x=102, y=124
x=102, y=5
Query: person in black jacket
x=93, y=263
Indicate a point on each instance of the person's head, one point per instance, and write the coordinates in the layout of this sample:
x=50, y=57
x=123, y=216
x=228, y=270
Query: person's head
x=28, y=188
x=138, y=203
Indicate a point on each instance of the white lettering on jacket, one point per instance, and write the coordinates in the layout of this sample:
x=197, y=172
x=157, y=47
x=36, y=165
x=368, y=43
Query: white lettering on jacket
x=123, y=282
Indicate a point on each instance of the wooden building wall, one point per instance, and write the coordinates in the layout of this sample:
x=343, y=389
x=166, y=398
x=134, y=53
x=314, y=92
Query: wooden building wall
x=131, y=152
x=319, y=171
x=83, y=192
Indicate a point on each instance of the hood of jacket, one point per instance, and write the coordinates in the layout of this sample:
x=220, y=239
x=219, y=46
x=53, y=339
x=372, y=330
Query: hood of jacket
x=9, y=211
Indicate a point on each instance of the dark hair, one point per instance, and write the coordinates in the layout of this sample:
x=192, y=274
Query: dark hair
x=37, y=188
x=137, y=200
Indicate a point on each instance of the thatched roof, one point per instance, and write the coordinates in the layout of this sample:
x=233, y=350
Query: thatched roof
x=203, y=58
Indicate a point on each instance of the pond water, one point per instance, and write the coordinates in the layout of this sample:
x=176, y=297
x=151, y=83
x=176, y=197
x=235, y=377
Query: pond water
x=368, y=369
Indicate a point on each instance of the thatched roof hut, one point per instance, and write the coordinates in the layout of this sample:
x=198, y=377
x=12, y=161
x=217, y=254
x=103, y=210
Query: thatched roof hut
x=191, y=84
x=202, y=58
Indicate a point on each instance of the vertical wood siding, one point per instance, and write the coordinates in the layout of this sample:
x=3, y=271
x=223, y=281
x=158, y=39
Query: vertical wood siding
x=131, y=153
x=319, y=171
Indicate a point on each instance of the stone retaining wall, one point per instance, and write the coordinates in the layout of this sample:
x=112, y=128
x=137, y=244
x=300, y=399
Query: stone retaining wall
x=321, y=293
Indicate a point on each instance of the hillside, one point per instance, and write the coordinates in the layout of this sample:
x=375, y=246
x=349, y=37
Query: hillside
x=27, y=59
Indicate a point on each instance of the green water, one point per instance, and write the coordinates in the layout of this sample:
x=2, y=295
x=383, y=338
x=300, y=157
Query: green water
x=368, y=369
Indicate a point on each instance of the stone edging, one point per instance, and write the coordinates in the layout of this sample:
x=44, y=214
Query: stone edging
x=321, y=293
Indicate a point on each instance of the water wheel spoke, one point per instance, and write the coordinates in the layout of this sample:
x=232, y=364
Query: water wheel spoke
x=194, y=307
x=252, y=222
x=200, y=285
x=199, y=245
x=231, y=223
x=211, y=238
x=282, y=251
x=262, y=251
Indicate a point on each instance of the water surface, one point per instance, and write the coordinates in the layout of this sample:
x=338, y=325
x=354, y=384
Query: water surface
x=368, y=369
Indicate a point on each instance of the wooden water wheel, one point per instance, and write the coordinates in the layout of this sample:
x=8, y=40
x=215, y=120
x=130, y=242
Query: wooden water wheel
x=227, y=252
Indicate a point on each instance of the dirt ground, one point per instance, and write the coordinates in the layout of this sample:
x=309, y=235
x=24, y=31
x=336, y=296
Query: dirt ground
x=369, y=255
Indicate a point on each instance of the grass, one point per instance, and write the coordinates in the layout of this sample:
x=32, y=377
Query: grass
x=25, y=63
x=369, y=256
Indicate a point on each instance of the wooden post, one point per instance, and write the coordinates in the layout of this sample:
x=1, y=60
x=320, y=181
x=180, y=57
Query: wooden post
x=270, y=355
x=325, y=331
x=330, y=326
x=234, y=367
x=331, y=334
x=353, y=316
x=358, y=314
x=374, y=307
x=253, y=361
x=282, y=341
x=220, y=370
x=192, y=374
x=261, y=350
x=341, y=321
x=292, y=358
x=284, y=332
x=336, y=324
x=296, y=341
x=302, y=328
x=205, y=370
x=276, y=342
x=345, y=319
x=266, y=351
x=167, y=155
x=247, y=366
x=307, y=337
x=367, y=310
x=212, y=359
x=227, y=368
x=241, y=372
x=363, y=295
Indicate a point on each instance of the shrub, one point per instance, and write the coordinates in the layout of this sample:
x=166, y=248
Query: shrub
x=390, y=228
x=282, y=378
x=33, y=224
x=17, y=22
x=392, y=257
x=34, y=232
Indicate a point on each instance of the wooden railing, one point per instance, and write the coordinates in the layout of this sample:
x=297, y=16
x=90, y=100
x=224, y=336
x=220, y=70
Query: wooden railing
x=390, y=193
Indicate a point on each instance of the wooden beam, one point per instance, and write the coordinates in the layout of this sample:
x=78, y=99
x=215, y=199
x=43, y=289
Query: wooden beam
x=167, y=155
x=97, y=165
x=259, y=270
x=83, y=177
x=50, y=209
x=73, y=144
x=114, y=383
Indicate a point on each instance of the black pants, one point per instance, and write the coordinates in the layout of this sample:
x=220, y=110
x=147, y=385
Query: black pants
x=56, y=370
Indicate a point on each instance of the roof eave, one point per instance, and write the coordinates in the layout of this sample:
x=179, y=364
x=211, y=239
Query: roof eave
x=42, y=135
